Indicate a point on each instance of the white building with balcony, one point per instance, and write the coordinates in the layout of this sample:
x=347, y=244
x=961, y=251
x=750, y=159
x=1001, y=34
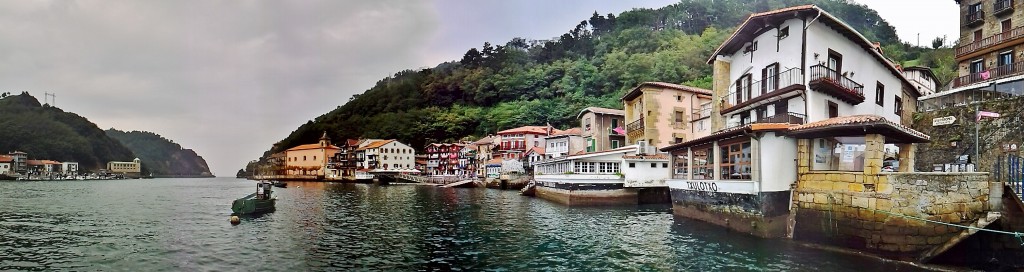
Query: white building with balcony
x=797, y=67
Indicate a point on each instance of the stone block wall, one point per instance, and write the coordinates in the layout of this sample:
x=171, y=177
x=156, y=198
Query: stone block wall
x=850, y=209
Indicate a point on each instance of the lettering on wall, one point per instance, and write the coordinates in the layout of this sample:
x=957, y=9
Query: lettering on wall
x=702, y=186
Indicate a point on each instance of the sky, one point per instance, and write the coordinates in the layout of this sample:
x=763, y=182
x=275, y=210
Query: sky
x=229, y=78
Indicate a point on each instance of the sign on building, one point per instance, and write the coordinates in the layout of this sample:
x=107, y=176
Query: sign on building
x=942, y=121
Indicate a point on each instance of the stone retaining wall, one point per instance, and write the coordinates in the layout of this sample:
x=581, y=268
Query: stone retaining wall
x=844, y=209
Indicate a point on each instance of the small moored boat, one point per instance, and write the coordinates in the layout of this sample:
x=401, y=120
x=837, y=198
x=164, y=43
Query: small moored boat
x=261, y=201
x=280, y=184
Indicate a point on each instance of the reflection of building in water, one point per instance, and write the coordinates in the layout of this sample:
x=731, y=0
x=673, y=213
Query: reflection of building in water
x=986, y=56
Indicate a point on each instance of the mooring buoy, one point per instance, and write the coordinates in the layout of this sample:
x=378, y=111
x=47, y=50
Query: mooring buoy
x=234, y=220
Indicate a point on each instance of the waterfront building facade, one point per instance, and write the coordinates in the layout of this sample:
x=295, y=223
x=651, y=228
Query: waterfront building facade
x=602, y=129
x=6, y=165
x=623, y=175
x=787, y=68
x=69, y=168
x=987, y=55
x=485, y=151
x=20, y=161
x=659, y=113
x=923, y=79
x=310, y=159
x=343, y=163
x=443, y=158
x=515, y=142
x=467, y=160
x=386, y=155
x=128, y=169
x=565, y=143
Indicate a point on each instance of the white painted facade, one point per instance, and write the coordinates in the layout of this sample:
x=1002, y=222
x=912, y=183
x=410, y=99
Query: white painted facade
x=921, y=80
x=646, y=172
x=772, y=155
x=6, y=168
x=69, y=168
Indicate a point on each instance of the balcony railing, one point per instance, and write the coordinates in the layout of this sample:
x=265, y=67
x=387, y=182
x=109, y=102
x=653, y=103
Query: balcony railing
x=1001, y=7
x=974, y=18
x=700, y=113
x=989, y=41
x=990, y=74
x=761, y=89
x=635, y=125
x=830, y=81
x=784, y=118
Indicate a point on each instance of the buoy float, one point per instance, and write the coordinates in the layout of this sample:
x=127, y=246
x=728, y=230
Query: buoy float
x=235, y=220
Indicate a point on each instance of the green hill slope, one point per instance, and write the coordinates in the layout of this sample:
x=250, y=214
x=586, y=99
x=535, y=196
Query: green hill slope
x=529, y=82
x=162, y=157
x=47, y=132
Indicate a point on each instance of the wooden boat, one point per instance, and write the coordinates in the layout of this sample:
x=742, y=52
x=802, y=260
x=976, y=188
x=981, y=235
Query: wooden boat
x=262, y=201
x=8, y=177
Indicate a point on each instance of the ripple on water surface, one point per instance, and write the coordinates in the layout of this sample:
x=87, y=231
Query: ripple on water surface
x=181, y=224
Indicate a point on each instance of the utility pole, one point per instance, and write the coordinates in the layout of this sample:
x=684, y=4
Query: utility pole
x=977, y=122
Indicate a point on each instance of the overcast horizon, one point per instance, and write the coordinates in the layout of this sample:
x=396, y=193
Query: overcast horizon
x=228, y=79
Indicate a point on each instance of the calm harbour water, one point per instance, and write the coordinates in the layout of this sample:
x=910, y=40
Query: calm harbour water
x=182, y=224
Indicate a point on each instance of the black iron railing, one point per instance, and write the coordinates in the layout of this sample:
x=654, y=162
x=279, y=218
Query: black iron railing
x=826, y=74
x=635, y=125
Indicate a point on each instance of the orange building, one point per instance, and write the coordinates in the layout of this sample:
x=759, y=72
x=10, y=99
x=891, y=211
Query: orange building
x=310, y=159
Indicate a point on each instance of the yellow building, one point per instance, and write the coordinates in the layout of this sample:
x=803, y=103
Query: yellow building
x=128, y=169
x=310, y=159
x=663, y=113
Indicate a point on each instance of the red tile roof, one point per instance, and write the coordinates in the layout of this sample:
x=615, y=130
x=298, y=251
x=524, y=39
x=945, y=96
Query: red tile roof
x=311, y=146
x=4, y=158
x=728, y=133
x=537, y=150
x=862, y=124
x=571, y=131
x=529, y=129
x=376, y=144
x=485, y=140
x=636, y=90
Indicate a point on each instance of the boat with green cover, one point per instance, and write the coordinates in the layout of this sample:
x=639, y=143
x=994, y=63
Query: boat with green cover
x=262, y=201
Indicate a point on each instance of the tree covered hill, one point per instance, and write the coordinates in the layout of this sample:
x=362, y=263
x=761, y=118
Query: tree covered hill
x=46, y=132
x=530, y=82
x=162, y=157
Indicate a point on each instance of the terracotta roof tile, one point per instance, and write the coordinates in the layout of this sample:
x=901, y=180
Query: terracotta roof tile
x=858, y=120
x=311, y=146
x=376, y=144
x=4, y=158
x=537, y=150
x=528, y=129
x=571, y=131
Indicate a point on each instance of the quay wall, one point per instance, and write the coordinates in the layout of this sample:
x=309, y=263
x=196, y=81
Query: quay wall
x=575, y=196
x=761, y=214
x=852, y=209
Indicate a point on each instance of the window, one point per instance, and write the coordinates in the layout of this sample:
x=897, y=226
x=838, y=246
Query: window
x=977, y=35
x=899, y=106
x=735, y=160
x=833, y=109
x=303, y=158
x=977, y=66
x=681, y=164
x=654, y=165
x=664, y=165
x=879, y=94
x=615, y=123
x=680, y=118
x=678, y=140
x=615, y=144
x=750, y=48
x=838, y=154
x=783, y=33
x=1005, y=25
x=769, y=78
x=1005, y=58
x=679, y=98
x=586, y=124
x=632, y=165
x=703, y=161
x=835, y=63
x=743, y=88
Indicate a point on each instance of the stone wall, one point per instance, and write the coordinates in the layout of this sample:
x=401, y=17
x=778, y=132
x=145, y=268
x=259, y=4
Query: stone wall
x=992, y=134
x=846, y=209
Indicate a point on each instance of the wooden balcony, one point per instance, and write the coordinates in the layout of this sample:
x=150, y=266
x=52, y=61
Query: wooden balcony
x=831, y=82
x=1012, y=69
x=784, y=118
x=974, y=18
x=980, y=46
x=780, y=84
x=1002, y=7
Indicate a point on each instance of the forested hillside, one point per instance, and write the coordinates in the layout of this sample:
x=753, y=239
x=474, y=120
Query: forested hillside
x=162, y=157
x=531, y=82
x=46, y=132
